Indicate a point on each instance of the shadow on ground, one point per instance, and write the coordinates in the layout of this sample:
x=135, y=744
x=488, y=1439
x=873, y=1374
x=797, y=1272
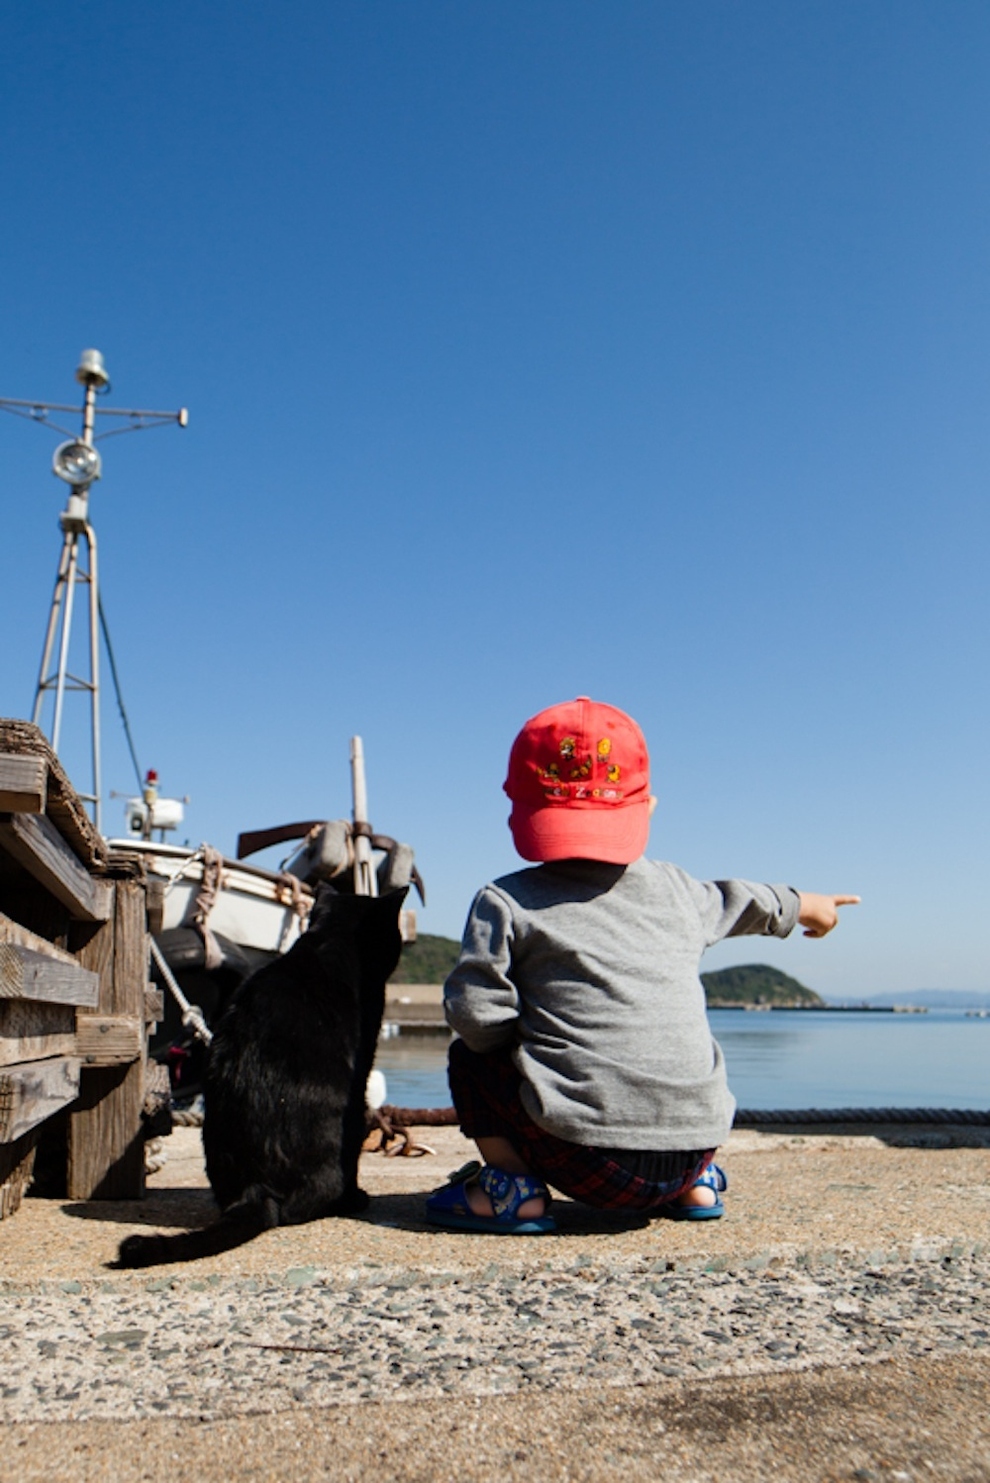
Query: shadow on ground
x=167, y=1208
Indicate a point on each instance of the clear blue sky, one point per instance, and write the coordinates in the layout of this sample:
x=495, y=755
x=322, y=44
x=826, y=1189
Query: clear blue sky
x=531, y=349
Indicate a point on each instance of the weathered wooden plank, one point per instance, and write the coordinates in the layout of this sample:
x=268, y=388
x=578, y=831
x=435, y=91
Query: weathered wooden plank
x=85, y=1157
x=64, y=806
x=13, y=932
x=33, y=1091
x=154, y=1004
x=106, y=1129
x=16, y=1166
x=30, y=1031
x=96, y=954
x=106, y=1136
x=23, y=784
x=131, y=949
x=28, y=974
x=109, y=1039
x=156, y=905
x=34, y=841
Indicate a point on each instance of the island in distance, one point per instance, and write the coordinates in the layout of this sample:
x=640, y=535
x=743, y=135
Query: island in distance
x=757, y=985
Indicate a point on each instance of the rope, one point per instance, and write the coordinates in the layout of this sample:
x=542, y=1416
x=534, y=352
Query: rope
x=116, y=687
x=437, y=1117
x=155, y=1155
x=192, y=1015
x=290, y=886
x=205, y=900
x=965, y=1116
x=418, y=1117
x=389, y=1123
x=388, y=1129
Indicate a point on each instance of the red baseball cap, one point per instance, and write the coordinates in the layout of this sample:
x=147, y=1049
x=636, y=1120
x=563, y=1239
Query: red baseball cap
x=579, y=781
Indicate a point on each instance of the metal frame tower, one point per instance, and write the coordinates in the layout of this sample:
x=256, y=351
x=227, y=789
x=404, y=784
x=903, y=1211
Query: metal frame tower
x=78, y=463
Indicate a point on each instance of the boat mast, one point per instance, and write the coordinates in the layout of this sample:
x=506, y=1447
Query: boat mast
x=78, y=463
x=365, y=879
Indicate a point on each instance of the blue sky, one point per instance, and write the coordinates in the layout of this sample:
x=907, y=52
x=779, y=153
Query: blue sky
x=531, y=350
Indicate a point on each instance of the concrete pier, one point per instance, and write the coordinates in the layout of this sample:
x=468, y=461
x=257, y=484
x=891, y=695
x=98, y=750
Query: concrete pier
x=415, y=1007
x=834, y=1325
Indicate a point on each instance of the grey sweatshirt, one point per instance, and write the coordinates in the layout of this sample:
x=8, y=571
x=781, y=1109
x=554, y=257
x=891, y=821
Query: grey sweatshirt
x=589, y=972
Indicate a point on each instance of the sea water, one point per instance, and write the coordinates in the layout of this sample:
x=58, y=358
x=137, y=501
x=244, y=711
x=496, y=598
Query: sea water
x=797, y=1058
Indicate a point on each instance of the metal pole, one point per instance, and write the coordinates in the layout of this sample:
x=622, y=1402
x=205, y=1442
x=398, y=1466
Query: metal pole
x=94, y=669
x=89, y=413
x=365, y=879
x=44, y=681
x=63, y=648
x=89, y=417
x=75, y=523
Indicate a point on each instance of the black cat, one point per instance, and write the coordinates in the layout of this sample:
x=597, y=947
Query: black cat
x=285, y=1083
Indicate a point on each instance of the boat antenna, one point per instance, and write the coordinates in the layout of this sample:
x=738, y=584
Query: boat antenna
x=78, y=463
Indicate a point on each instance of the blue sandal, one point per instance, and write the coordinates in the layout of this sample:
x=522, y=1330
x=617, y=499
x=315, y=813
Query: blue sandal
x=448, y=1207
x=714, y=1179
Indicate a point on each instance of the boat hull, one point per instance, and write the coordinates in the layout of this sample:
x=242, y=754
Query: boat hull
x=253, y=908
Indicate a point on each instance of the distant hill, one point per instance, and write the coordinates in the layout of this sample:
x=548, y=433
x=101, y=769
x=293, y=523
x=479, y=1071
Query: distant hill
x=757, y=983
x=428, y=960
x=929, y=998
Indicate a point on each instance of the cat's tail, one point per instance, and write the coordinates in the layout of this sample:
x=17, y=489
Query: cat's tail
x=257, y=1210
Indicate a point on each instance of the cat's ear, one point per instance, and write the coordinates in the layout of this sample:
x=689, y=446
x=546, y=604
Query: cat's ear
x=391, y=901
x=382, y=912
x=324, y=906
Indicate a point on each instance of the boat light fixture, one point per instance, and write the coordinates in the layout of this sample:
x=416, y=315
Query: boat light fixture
x=76, y=462
x=91, y=371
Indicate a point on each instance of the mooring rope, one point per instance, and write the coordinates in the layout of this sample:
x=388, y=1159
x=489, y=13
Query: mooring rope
x=390, y=1120
x=192, y=1015
x=432, y=1117
x=962, y=1116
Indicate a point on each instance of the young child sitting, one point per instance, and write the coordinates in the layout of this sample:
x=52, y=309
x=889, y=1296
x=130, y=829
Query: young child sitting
x=584, y=1058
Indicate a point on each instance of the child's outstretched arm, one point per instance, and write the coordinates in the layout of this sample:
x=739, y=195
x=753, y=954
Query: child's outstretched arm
x=819, y=914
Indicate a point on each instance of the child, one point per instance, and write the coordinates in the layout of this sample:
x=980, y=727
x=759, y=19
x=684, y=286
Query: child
x=584, y=1058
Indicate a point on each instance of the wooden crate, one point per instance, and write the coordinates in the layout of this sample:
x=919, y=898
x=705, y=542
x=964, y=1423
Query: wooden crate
x=74, y=990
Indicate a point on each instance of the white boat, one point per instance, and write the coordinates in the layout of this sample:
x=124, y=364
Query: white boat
x=253, y=907
x=220, y=918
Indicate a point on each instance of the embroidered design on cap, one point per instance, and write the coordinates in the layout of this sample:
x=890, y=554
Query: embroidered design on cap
x=578, y=778
x=574, y=783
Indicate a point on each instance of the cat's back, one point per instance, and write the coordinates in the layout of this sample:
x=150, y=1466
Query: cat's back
x=294, y=1009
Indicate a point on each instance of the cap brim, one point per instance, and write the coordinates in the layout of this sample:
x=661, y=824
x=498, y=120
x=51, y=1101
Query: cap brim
x=616, y=835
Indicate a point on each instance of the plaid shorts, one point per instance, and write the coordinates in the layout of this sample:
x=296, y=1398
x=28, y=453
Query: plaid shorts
x=485, y=1092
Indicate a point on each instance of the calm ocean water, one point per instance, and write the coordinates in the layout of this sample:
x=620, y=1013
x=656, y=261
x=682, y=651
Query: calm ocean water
x=789, y=1058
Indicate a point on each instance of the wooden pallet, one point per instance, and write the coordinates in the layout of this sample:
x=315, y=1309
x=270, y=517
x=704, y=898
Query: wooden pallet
x=75, y=1000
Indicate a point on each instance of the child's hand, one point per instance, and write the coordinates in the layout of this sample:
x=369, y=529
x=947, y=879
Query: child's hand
x=819, y=914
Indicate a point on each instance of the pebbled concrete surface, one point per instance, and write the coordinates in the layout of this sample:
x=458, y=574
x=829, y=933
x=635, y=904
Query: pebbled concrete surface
x=836, y=1324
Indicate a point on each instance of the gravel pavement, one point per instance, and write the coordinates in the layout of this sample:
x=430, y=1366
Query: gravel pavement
x=836, y=1324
